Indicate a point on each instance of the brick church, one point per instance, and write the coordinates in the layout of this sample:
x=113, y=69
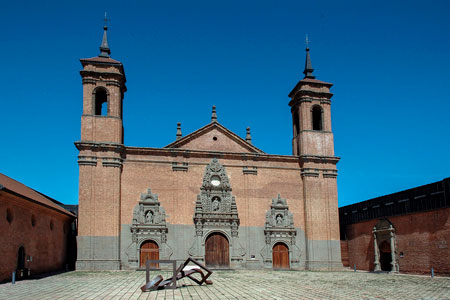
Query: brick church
x=210, y=195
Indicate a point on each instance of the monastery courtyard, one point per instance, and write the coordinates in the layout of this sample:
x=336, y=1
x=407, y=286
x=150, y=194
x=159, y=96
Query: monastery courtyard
x=233, y=285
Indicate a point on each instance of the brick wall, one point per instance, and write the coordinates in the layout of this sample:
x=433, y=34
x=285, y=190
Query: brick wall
x=46, y=244
x=423, y=242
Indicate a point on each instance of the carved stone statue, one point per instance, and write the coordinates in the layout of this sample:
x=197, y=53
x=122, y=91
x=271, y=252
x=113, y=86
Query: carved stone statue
x=215, y=204
x=149, y=217
x=279, y=219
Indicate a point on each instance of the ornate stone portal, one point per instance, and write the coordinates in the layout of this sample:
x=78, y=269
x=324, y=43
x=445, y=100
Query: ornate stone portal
x=384, y=232
x=280, y=228
x=149, y=223
x=216, y=211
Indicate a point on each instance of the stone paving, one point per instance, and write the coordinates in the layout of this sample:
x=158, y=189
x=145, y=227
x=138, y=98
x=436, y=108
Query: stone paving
x=233, y=285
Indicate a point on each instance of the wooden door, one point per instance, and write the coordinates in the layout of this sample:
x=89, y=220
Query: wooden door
x=217, y=251
x=149, y=250
x=280, y=256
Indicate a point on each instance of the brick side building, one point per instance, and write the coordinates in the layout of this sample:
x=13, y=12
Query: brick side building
x=210, y=195
x=37, y=235
x=407, y=232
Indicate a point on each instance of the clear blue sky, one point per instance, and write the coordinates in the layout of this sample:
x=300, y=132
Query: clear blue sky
x=389, y=62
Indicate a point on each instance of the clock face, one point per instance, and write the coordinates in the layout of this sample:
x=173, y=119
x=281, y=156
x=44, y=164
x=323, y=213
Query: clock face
x=215, y=180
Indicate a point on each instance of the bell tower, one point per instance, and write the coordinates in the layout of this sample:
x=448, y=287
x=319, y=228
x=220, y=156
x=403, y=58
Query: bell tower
x=100, y=161
x=313, y=143
x=103, y=91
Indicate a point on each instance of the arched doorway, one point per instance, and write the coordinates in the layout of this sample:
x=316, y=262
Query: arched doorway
x=217, y=251
x=149, y=251
x=21, y=259
x=385, y=256
x=280, y=256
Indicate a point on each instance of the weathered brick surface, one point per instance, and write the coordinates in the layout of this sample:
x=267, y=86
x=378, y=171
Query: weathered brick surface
x=46, y=246
x=424, y=239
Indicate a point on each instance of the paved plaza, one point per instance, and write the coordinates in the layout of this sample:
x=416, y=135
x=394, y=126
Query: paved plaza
x=233, y=285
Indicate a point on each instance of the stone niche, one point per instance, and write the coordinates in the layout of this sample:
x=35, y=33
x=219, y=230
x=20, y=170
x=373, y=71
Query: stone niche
x=149, y=223
x=279, y=228
x=216, y=211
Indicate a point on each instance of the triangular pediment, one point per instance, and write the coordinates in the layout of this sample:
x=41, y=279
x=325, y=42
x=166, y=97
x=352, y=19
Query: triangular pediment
x=214, y=137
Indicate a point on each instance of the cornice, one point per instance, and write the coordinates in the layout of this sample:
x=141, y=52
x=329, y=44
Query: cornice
x=319, y=159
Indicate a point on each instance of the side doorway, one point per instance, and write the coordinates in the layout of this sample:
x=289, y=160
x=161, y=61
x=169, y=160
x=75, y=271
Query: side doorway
x=280, y=256
x=217, y=251
x=149, y=251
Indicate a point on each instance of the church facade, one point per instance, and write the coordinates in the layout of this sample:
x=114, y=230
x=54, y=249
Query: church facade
x=210, y=195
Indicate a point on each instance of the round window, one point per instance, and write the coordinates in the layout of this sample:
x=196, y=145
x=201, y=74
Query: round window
x=215, y=180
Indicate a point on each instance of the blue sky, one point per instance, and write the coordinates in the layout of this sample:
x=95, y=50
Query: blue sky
x=388, y=60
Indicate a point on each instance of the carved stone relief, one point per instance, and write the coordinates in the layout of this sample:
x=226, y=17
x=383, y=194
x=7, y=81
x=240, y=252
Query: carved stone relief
x=216, y=211
x=149, y=223
x=280, y=228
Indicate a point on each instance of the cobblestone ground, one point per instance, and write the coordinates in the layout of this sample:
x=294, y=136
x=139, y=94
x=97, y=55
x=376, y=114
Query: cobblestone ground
x=233, y=285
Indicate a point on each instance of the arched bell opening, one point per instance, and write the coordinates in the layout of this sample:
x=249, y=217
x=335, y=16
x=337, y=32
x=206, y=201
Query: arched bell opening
x=149, y=250
x=280, y=256
x=217, y=251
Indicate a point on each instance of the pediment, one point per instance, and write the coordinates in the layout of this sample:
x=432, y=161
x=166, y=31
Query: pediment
x=214, y=137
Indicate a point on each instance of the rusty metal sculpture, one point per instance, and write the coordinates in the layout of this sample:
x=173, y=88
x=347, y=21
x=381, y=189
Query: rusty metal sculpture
x=183, y=271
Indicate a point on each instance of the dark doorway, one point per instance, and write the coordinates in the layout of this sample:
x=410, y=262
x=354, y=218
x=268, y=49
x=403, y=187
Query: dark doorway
x=280, y=256
x=149, y=251
x=385, y=256
x=217, y=251
x=21, y=259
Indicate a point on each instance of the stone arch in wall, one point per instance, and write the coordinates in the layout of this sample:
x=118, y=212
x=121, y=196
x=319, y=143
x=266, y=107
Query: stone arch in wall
x=385, y=247
x=279, y=230
x=216, y=211
x=149, y=224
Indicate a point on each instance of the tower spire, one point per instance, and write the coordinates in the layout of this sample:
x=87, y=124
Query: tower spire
x=104, y=48
x=308, y=66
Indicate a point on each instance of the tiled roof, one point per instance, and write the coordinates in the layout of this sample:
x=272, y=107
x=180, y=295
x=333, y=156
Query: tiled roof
x=28, y=193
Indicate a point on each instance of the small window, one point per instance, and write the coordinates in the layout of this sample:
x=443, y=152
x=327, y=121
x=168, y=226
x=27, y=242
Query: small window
x=9, y=215
x=33, y=220
x=317, y=118
x=100, y=102
x=51, y=225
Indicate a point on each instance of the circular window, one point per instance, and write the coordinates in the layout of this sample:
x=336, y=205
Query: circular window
x=215, y=138
x=9, y=215
x=51, y=225
x=33, y=220
x=215, y=180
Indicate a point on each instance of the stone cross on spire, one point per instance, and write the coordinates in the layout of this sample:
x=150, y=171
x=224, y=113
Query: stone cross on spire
x=308, y=66
x=104, y=48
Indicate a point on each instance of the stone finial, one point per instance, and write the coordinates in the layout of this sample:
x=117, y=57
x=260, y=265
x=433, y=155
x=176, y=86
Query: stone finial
x=214, y=115
x=179, y=134
x=248, y=136
x=104, y=48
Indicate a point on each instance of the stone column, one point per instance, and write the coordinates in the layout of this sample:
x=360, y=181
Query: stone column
x=394, y=264
x=376, y=250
